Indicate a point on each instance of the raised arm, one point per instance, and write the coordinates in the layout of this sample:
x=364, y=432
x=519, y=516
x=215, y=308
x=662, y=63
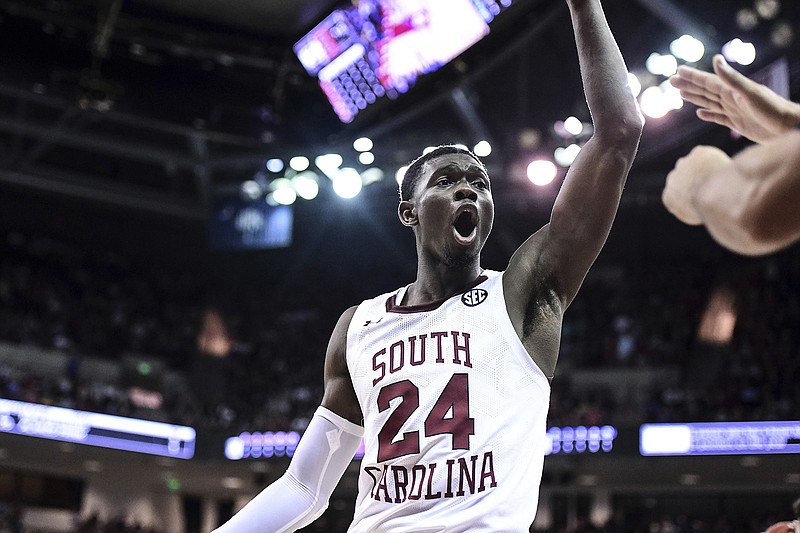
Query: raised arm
x=557, y=257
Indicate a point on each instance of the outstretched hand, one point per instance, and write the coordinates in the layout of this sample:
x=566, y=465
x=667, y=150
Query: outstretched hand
x=730, y=99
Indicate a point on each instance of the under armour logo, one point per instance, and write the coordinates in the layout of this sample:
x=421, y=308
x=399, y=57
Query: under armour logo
x=473, y=297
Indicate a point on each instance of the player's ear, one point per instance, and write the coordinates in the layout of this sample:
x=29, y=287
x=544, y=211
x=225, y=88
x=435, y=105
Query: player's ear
x=407, y=213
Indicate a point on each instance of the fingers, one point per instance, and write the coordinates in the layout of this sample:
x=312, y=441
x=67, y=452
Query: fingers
x=717, y=118
x=731, y=76
x=700, y=88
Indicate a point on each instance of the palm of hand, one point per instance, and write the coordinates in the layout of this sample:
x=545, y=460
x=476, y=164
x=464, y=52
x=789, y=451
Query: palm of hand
x=755, y=113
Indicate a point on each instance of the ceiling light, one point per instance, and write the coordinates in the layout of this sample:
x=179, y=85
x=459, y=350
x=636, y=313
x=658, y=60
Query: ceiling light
x=573, y=125
x=782, y=34
x=541, y=172
x=746, y=19
x=347, y=183
x=566, y=156
x=768, y=9
x=251, y=189
x=482, y=149
x=328, y=162
x=687, y=48
x=283, y=192
x=634, y=84
x=398, y=176
x=653, y=103
x=306, y=186
x=362, y=144
x=274, y=165
x=299, y=163
x=738, y=51
x=366, y=158
x=371, y=175
x=663, y=65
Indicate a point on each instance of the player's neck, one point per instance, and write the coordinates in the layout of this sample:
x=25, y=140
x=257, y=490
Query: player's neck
x=434, y=284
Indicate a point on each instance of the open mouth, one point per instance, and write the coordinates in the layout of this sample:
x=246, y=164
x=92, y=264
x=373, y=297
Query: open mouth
x=465, y=224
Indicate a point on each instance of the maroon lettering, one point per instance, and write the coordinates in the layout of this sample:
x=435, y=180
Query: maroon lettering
x=416, y=347
x=376, y=366
x=465, y=474
x=487, y=471
x=413, y=359
x=371, y=470
x=421, y=469
x=382, y=485
x=395, y=484
x=396, y=363
x=439, y=335
x=430, y=495
x=398, y=484
x=449, y=492
x=461, y=348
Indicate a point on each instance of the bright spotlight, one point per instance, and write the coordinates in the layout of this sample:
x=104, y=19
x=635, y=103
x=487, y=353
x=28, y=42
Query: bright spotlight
x=328, y=161
x=299, y=163
x=663, y=65
x=347, y=183
x=634, y=84
x=671, y=95
x=768, y=9
x=274, y=165
x=573, y=125
x=541, y=172
x=482, y=149
x=566, y=156
x=283, y=192
x=746, y=19
x=362, y=144
x=687, y=48
x=398, y=176
x=306, y=186
x=371, y=175
x=366, y=158
x=251, y=189
x=782, y=34
x=738, y=51
x=653, y=103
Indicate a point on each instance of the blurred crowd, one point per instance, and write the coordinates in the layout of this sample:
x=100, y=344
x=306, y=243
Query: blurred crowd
x=251, y=356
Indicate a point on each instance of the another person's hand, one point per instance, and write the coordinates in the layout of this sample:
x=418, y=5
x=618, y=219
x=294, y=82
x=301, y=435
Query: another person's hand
x=781, y=527
x=679, y=191
x=730, y=99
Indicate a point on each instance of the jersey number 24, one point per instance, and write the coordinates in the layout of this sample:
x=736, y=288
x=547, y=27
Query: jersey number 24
x=454, y=400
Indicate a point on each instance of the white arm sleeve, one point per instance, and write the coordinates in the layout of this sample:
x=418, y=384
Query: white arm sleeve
x=301, y=495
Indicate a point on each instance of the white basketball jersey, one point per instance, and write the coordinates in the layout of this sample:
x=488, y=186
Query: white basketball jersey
x=454, y=415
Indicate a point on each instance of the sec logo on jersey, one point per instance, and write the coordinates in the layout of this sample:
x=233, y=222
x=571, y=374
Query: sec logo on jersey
x=474, y=297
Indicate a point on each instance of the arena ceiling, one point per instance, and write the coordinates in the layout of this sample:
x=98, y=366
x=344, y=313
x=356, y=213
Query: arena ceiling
x=155, y=104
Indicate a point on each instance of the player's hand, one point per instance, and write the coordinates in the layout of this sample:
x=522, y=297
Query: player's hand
x=682, y=181
x=729, y=98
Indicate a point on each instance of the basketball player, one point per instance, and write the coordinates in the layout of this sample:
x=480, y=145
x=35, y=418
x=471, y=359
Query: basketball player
x=447, y=378
x=747, y=202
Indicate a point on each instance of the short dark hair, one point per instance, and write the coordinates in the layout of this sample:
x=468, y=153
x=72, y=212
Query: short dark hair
x=414, y=170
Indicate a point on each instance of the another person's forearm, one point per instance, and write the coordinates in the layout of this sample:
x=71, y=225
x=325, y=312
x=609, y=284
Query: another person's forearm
x=751, y=205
